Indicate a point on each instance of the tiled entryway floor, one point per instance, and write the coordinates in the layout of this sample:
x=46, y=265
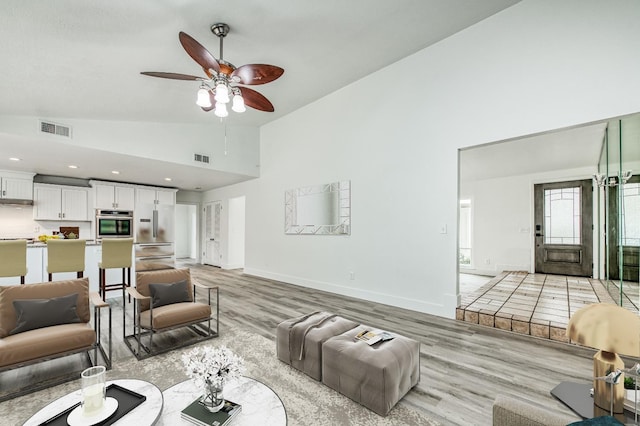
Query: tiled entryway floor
x=535, y=304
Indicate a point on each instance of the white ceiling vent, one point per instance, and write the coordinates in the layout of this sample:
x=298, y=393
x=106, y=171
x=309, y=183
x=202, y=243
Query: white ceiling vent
x=55, y=129
x=201, y=158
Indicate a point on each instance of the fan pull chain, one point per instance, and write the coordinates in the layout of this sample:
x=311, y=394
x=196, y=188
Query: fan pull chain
x=225, y=139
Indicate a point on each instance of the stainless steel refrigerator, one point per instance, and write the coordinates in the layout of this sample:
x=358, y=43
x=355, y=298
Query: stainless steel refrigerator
x=154, y=241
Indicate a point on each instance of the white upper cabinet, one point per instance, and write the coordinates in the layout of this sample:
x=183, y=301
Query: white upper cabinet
x=75, y=204
x=16, y=186
x=114, y=197
x=147, y=196
x=47, y=202
x=55, y=202
x=167, y=198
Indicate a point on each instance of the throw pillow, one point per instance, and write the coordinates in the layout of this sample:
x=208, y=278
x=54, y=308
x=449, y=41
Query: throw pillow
x=598, y=421
x=39, y=313
x=167, y=294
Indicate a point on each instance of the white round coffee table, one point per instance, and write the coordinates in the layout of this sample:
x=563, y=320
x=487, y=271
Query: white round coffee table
x=144, y=414
x=260, y=404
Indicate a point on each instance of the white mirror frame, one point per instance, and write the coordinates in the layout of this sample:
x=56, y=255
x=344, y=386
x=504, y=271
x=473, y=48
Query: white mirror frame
x=343, y=227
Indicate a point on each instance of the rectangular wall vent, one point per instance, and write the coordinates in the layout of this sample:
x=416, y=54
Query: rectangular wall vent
x=201, y=158
x=55, y=129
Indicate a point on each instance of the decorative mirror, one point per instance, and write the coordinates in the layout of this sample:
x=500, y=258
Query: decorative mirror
x=318, y=210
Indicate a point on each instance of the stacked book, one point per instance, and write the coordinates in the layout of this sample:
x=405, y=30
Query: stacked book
x=197, y=414
x=374, y=336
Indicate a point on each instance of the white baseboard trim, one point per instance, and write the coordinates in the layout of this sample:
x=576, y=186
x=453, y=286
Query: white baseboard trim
x=232, y=266
x=387, y=299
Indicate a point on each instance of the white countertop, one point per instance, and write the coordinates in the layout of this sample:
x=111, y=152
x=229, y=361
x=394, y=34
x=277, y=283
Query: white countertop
x=40, y=244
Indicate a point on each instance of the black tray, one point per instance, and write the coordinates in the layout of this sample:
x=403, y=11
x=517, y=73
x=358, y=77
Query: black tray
x=127, y=401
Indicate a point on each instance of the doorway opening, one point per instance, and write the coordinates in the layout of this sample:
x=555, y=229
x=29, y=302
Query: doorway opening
x=224, y=233
x=212, y=254
x=186, y=232
x=555, y=216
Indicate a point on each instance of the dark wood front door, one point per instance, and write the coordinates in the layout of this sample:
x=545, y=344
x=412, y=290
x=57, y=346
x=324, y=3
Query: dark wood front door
x=564, y=228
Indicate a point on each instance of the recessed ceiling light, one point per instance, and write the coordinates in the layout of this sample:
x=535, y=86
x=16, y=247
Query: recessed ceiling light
x=167, y=179
x=71, y=166
x=15, y=159
x=115, y=172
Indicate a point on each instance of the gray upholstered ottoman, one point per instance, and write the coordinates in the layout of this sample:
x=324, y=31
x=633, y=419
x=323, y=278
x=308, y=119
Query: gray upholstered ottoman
x=299, y=340
x=376, y=376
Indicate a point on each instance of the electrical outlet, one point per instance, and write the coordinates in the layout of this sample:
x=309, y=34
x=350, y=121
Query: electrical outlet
x=352, y=275
x=443, y=229
x=487, y=261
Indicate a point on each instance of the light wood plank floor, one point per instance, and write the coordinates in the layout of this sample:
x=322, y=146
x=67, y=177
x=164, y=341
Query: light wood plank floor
x=463, y=366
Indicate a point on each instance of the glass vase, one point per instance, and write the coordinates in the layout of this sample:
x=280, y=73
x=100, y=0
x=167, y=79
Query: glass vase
x=212, y=400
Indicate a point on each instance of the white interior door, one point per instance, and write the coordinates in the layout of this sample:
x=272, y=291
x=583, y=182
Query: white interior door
x=212, y=254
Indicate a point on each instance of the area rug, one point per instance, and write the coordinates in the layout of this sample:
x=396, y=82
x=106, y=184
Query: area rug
x=306, y=401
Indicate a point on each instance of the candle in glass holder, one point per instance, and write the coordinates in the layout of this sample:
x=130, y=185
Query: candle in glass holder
x=93, y=390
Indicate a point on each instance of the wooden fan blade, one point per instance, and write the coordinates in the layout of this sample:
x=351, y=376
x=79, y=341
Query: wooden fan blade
x=252, y=74
x=199, y=53
x=173, y=75
x=256, y=100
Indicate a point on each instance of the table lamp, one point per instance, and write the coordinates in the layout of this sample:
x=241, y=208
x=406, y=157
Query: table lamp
x=613, y=330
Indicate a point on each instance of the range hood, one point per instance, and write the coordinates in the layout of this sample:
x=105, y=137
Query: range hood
x=15, y=202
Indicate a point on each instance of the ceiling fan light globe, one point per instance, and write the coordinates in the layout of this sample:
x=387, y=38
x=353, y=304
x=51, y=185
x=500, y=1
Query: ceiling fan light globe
x=238, y=104
x=221, y=110
x=222, y=93
x=203, y=99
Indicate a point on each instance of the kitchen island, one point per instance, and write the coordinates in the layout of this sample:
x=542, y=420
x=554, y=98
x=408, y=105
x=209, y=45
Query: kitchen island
x=37, y=267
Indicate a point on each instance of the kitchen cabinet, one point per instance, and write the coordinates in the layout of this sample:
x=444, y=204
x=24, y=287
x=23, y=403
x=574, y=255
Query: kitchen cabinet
x=16, y=186
x=56, y=202
x=166, y=197
x=116, y=197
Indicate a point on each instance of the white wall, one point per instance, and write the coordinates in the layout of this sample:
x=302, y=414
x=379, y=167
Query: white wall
x=503, y=219
x=17, y=222
x=236, y=246
x=537, y=66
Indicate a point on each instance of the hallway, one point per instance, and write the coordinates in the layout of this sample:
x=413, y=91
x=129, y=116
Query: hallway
x=535, y=304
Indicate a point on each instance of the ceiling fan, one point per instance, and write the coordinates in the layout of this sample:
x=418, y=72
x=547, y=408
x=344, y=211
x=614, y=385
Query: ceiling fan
x=224, y=79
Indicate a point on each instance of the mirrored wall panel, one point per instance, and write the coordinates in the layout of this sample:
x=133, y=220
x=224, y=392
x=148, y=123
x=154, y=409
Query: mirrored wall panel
x=319, y=209
x=618, y=181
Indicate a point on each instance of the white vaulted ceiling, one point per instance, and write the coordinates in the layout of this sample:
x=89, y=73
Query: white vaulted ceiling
x=82, y=59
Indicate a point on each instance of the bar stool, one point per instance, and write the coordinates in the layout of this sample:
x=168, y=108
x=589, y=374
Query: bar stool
x=116, y=254
x=65, y=256
x=14, y=259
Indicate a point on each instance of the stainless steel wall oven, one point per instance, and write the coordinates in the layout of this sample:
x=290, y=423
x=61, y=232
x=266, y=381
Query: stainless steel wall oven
x=114, y=224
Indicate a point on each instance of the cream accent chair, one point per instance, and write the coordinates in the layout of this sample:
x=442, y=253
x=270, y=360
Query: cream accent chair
x=14, y=259
x=65, y=256
x=149, y=320
x=116, y=254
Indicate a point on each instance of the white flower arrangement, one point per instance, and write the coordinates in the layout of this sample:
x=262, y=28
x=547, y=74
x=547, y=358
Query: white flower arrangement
x=212, y=367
